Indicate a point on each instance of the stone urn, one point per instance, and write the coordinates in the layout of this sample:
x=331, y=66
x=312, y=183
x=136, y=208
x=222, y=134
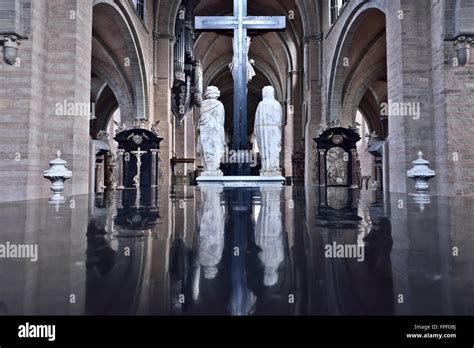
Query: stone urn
x=421, y=173
x=57, y=174
x=462, y=44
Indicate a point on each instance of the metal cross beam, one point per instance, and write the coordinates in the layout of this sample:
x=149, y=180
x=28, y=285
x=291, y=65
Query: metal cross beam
x=240, y=23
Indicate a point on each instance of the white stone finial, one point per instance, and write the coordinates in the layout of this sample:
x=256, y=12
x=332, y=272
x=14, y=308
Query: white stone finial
x=57, y=174
x=421, y=173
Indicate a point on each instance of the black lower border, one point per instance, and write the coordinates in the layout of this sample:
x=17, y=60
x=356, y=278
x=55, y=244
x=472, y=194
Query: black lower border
x=136, y=331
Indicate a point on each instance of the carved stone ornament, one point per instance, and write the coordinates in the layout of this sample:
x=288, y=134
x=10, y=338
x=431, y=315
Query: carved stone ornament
x=137, y=139
x=120, y=127
x=57, y=174
x=10, y=44
x=421, y=173
x=337, y=139
x=323, y=126
x=154, y=127
x=462, y=46
x=103, y=136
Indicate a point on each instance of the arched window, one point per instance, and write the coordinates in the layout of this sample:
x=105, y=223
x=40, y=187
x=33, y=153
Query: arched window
x=335, y=8
x=139, y=6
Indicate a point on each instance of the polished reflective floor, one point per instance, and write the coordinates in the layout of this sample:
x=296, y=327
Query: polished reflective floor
x=214, y=251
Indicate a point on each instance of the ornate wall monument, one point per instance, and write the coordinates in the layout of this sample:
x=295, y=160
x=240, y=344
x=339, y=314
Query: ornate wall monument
x=137, y=158
x=337, y=155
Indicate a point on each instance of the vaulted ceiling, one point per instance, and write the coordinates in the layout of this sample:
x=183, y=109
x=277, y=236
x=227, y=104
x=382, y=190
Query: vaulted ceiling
x=275, y=53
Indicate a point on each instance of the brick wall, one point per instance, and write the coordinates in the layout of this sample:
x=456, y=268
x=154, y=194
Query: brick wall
x=459, y=88
x=54, y=66
x=419, y=69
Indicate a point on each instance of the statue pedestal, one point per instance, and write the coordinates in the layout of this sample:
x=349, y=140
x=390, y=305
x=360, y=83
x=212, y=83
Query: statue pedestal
x=241, y=181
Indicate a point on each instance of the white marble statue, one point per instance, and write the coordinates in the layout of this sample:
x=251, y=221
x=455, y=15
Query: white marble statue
x=233, y=66
x=269, y=234
x=211, y=231
x=268, y=131
x=211, y=142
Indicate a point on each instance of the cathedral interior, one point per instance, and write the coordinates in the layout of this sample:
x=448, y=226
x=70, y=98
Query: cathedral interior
x=102, y=113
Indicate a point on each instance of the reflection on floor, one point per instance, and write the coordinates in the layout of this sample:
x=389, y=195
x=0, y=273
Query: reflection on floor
x=214, y=251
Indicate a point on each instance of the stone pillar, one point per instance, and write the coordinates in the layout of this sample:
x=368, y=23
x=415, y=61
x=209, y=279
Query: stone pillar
x=99, y=174
x=91, y=166
x=119, y=169
x=162, y=98
x=154, y=167
x=322, y=167
x=191, y=141
x=410, y=82
x=354, y=168
x=312, y=98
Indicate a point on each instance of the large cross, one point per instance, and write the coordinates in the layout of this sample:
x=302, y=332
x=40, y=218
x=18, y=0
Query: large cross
x=240, y=23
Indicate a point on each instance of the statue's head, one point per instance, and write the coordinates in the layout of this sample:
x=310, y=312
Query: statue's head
x=268, y=92
x=212, y=92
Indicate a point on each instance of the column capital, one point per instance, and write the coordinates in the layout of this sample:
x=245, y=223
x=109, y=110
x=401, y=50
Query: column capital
x=163, y=36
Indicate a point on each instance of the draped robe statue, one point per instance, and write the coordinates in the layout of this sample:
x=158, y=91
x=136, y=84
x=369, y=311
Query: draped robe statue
x=268, y=131
x=211, y=231
x=211, y=143
x=269, y=234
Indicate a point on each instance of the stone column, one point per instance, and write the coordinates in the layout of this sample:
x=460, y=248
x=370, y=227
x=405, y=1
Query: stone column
x=312, y=99
x=322, y=167
x=380, y=175
x=411, y=80
x=120, y=169
x=354, y=168
x=154, y=167
x=162, y=97
x=99, y=174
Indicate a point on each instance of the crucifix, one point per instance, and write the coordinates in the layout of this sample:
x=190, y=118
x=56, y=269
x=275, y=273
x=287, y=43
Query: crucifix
x=240, y=22
x=138, y=154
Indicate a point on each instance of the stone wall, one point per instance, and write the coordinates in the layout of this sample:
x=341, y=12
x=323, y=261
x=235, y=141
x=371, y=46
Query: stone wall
x=11, y=13
x=420, y=70
x=459, y=157
x=53, y=66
